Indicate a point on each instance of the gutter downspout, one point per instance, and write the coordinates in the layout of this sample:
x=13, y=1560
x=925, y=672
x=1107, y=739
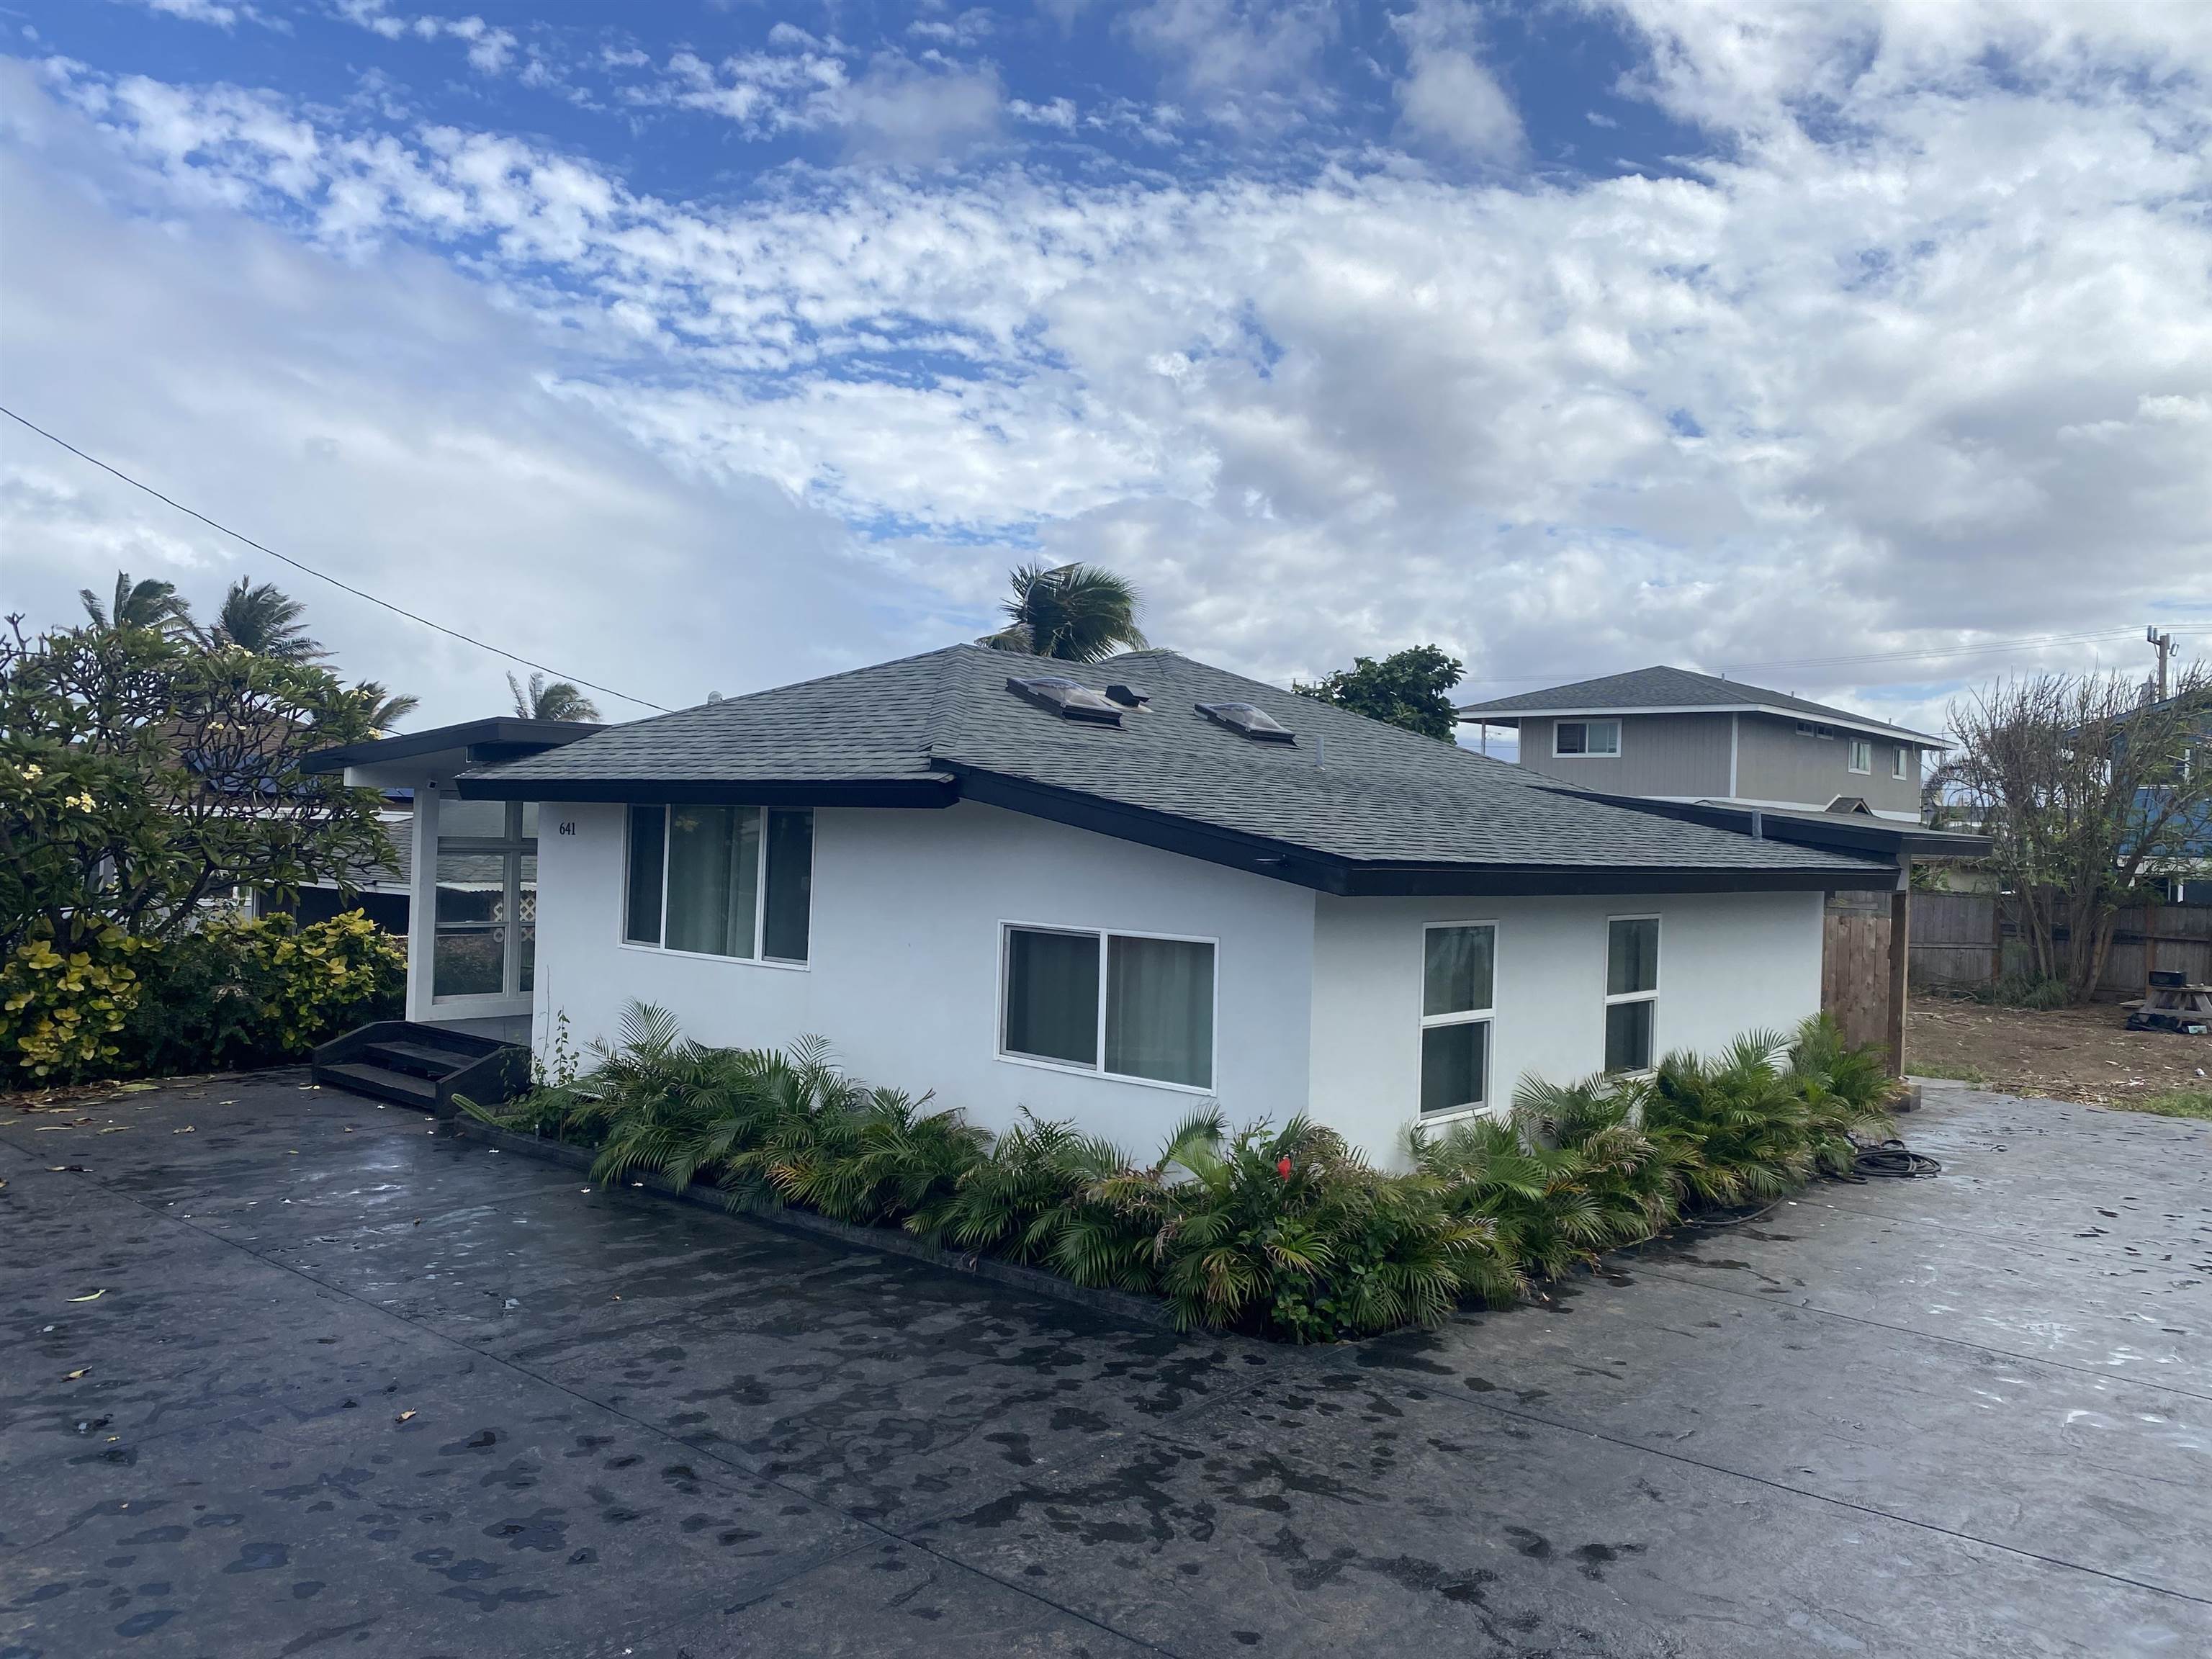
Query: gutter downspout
x=1736, y=730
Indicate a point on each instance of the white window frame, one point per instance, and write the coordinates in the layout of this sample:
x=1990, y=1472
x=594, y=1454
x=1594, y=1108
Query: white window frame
x=623, y=940
x=511, y=846
x=1652, y=996
x=1586, y=752
x=1070, y=1068
x=1861, y=758
x=1900, y=759
x=1488, y=1017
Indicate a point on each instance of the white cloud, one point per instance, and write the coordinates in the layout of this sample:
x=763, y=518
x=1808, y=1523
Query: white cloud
x=890, y=108
x=1922, y=362
x=1448, y=96
x=382, y=418
x=490, y=49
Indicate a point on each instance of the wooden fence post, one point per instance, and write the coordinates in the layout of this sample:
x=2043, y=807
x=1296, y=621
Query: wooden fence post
x=1900, y=958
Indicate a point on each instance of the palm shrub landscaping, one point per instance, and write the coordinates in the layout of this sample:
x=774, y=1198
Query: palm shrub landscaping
x=1280, y=1231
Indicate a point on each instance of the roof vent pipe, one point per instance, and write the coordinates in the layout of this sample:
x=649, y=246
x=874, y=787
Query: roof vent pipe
x=1758, y=825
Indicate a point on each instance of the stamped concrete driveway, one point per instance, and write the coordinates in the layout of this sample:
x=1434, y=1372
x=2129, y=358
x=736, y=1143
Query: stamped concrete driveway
x=349, y=1386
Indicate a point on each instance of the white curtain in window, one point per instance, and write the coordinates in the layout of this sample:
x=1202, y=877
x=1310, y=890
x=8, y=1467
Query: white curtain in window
x=1159, y=1010
x=713, y=874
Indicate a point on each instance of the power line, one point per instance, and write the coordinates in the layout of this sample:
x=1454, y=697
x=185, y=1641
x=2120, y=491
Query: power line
x=359, y=594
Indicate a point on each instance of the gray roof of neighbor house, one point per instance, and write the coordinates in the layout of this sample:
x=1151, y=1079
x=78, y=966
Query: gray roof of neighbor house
x=1352, y=806
x=1675, y=690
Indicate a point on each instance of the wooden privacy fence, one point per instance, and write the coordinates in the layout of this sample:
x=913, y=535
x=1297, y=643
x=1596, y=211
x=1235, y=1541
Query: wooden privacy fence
x=1970, y=939
x=1855, y=965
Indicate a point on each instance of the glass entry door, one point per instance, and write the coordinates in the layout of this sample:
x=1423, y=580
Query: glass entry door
x=485, y=940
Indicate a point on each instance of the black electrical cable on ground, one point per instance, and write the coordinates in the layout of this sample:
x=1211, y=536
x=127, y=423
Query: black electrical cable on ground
x=1893, y=1157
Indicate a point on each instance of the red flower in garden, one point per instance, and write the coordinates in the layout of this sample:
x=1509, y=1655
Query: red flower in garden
x=1283, y=1167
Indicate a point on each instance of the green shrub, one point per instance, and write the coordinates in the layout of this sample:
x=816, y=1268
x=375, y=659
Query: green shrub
x=1568, y=1174
x=61, y=1012
x=232, y=993
x=1280, y=1232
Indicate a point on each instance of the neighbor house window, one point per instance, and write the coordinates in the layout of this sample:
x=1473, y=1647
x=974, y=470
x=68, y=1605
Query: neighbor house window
x=721, y=881
x=1586, y=737
x=1123, y=1005
x=1632, y=991
x=1899, y=760
x=1862, y=755
x=1459, y=972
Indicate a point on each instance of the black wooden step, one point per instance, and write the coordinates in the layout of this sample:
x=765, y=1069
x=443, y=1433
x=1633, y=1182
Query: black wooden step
x=377, y=1081
x=424, y=1059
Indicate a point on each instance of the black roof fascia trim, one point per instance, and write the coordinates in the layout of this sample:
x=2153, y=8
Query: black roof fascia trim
x=1502, y=880
x=1349, y=878
x=519, y=736
x=1881, y=837
x=734, y=791
x=1256, y=854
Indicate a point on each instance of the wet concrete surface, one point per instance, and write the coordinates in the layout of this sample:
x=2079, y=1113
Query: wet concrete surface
x=349, y=1386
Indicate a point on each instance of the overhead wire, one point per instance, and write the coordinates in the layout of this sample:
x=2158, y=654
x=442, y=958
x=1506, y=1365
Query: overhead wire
x=324, y=575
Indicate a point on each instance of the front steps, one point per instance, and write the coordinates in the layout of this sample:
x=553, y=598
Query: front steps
x=422, y=1065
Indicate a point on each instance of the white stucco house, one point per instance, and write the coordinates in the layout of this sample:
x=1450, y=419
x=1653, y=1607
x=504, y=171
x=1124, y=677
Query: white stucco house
x=1106, y=893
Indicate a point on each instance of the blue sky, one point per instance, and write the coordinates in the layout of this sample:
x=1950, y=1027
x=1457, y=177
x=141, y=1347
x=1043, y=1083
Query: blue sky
x=697, y=347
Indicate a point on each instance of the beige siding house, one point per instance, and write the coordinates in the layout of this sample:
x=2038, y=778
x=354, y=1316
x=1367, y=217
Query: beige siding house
x=1670, y=734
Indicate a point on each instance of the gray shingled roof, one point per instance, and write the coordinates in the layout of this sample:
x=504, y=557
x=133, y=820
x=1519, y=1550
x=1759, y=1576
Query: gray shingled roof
x=1675, y=688
x=1349, y=788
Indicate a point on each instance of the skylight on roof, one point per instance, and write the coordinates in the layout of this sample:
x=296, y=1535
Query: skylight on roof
x=1248, y=720
x=1062, y=697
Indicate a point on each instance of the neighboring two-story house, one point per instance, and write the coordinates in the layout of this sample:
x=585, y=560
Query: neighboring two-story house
x=1670, y=734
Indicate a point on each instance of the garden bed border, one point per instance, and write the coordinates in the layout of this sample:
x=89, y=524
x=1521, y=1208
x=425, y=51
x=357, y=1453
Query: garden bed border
x=1120, y=1306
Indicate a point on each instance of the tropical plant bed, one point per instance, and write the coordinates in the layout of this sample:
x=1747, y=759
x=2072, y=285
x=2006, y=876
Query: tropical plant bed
x=1280, y=1232
x=653, y=1188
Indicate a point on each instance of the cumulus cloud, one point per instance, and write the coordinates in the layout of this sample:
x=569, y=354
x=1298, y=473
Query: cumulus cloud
x=1918, y=356
x=381, y=417
x=1448, y=96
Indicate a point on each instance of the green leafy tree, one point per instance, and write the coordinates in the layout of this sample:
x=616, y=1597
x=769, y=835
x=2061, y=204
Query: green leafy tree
x=559, y=701
x=1076, y=612
x=1405, y=689
x=264, y=620
x=145, y=603
x=141, y=776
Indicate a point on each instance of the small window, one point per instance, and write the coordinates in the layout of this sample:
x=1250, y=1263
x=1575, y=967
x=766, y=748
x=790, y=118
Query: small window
x=1586, y=737
x=1900, y=759
x=1632, y=991
x=1123, y=1005
x=1459, y=972
x=1862, y=755
x=721, y=881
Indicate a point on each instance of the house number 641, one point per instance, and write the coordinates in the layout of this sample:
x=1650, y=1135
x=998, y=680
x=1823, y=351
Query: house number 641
x=569, y=828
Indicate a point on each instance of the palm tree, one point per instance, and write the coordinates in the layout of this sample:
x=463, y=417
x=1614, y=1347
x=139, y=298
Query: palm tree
x=142, y=603
x=264, y=620
x=384, y=710
x=1077, y=613
x=558, y=702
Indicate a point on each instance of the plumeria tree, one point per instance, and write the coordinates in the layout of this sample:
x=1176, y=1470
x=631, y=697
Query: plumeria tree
x=142, y=775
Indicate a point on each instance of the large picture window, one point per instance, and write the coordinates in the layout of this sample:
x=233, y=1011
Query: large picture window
x=1459, y=973
x=1123, y=1005
x=721, y=881
x=1632, y=991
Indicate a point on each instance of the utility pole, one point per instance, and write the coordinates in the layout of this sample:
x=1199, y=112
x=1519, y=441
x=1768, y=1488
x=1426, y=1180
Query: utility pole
x=2163, y=644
